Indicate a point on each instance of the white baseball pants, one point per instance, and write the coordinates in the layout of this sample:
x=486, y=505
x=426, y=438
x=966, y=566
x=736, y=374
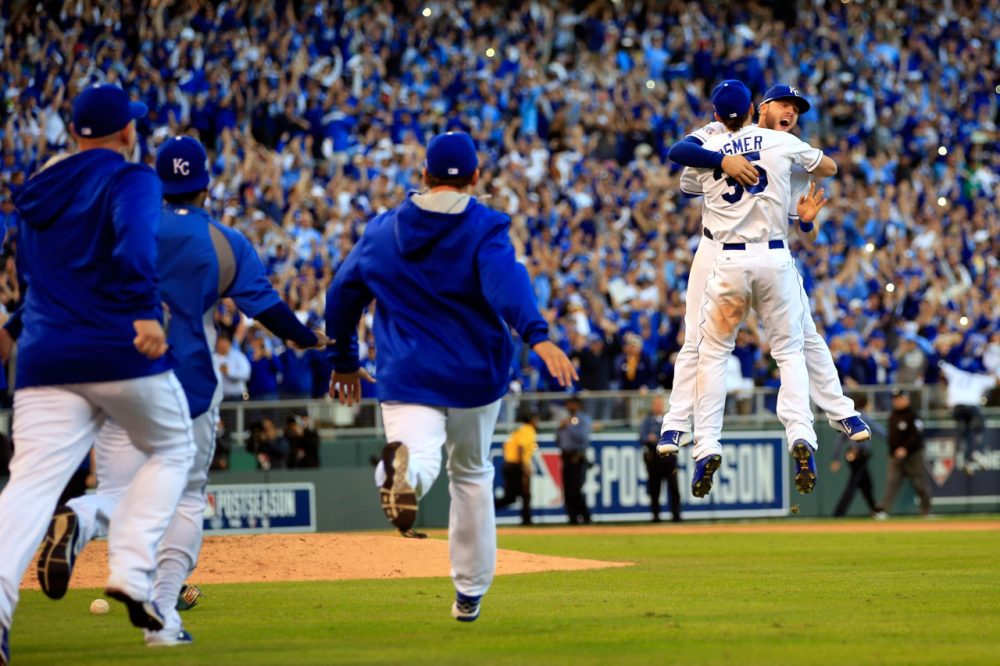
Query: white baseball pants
x=765, y=279
x=177, y=556
x=682, y=391
x=467, y=435
x=54, y=428
x=824, y=382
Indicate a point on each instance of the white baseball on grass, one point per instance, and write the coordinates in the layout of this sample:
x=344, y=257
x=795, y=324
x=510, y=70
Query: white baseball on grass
x=99, y=607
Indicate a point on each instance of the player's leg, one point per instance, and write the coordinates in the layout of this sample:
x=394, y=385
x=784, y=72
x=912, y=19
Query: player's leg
x=682, y=391
x=87, y=517
x=412, y=457
x=154, y=412
x=178, y=553
x=116, y=461
x=780, y=306
x=725, y=305
x=825, y=388
x=54, y=429
x=472, y=534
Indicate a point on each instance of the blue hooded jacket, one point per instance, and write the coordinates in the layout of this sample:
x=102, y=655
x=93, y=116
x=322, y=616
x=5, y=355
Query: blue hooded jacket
x=87, y=251
x=445, y=284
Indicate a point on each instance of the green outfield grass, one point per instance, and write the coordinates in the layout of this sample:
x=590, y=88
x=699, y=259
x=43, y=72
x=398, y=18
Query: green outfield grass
x=879, y=598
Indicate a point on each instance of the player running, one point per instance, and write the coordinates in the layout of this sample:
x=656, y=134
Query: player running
x=779, y=111
x=92, y=349
x=200, y=261
x=752, y=268
x=444, y=273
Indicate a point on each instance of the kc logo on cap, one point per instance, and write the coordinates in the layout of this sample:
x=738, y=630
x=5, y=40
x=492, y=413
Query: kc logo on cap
x=182, y=165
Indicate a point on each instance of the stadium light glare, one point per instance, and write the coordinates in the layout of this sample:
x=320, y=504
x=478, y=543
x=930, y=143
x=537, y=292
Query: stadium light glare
x=651, y=84
x=890, y=287
x=490, y=52
x=426, y=12
x=942, y=151
x=942, y=202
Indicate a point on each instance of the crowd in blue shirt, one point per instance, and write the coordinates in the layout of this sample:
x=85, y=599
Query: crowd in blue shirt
x=316, y=115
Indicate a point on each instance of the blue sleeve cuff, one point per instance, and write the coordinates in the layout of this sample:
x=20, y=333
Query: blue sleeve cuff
x=280, y=320
x=689, y=153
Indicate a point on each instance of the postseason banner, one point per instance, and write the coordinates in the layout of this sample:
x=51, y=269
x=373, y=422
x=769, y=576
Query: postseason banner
x=260, y=508
x=752, y=482
x=972, y=482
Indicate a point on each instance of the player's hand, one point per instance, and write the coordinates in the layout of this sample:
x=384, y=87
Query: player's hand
x=557, y=362
x=6, y=345
x=810, y=204
x=346, y=386
x=740, y=169
x=150, y=340
x=899, y=453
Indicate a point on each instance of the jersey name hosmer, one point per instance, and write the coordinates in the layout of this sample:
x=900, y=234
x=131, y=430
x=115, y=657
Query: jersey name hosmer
x=744, y=144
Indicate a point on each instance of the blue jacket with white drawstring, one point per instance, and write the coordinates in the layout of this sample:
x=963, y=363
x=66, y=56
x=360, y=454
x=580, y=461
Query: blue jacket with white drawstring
x=447, y=285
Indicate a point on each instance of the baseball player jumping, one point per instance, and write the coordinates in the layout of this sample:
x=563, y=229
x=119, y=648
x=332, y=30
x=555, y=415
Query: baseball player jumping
x=753, y=268
x=93, y=348
x=200, y=261
x=779, y=111
x=445, y=276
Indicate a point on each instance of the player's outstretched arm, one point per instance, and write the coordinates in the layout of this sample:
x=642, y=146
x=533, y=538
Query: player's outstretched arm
x=827, y=167
x=807, y=208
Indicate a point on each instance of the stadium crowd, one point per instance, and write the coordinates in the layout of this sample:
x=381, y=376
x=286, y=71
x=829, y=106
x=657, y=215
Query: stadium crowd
x=315, y=115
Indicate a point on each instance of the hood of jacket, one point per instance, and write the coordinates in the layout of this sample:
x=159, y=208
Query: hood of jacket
x=62, y=185
x=420, y=222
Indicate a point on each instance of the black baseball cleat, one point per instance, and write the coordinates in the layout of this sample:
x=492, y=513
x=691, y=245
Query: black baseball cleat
x=412, y=534
x=399, y=500
x=58, y=554
x=704, y=469
x=142, y=614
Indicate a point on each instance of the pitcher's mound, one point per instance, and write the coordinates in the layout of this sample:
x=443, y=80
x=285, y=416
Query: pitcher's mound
x=326, y=556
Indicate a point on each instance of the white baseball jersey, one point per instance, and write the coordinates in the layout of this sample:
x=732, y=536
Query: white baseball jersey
x=758, y=213
x=690, y=184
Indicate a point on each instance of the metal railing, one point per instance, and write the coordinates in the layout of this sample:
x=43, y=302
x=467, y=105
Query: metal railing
x=612, y=409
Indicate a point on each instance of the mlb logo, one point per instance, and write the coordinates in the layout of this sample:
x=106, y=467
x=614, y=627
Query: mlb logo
x=939, y=456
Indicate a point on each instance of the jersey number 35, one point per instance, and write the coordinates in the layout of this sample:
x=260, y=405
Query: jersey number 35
x=739, y=190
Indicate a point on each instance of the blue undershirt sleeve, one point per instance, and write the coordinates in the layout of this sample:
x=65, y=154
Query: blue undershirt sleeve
x=689, y=152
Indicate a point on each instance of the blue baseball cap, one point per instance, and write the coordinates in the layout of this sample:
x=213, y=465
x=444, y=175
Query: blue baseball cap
x=451, y=155
x=731, y=99
x=781, y=91
x=103, y=109
x=182, y=165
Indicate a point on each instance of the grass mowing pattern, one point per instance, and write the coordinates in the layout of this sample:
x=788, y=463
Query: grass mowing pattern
x=878, y=598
